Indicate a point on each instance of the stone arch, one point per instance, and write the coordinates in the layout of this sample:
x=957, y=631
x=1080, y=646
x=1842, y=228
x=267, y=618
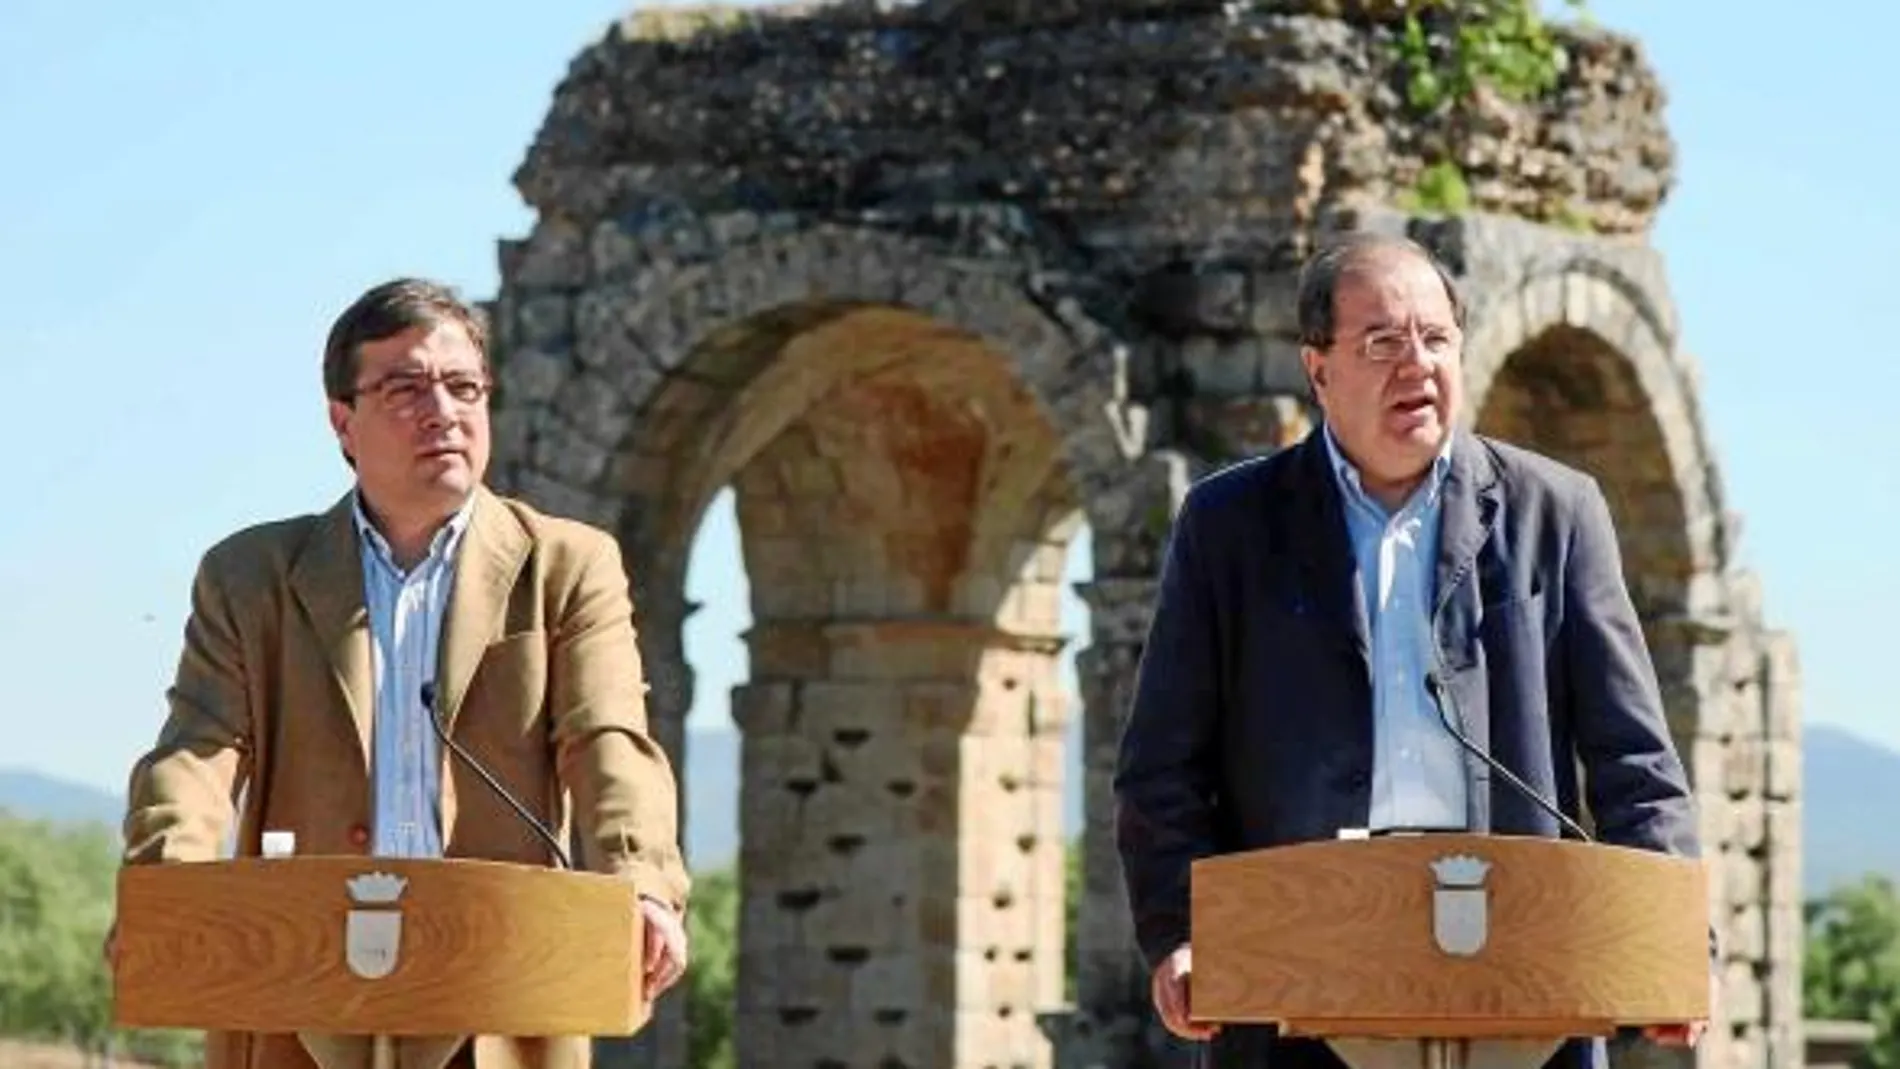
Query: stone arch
x=1579, y=363
x=912, y=441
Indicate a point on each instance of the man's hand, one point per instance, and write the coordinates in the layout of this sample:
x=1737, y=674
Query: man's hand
x=1169, y=988
x=665, y=945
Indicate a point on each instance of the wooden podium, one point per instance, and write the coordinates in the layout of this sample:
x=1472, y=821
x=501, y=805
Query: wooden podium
x=1470, y=950
x=377, y=947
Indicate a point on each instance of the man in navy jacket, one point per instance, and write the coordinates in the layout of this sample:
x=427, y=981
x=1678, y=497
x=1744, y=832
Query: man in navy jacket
x=1313, y=602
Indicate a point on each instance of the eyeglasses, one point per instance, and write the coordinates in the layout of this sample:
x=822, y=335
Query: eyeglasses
x=1395, y=343
x=401, y=393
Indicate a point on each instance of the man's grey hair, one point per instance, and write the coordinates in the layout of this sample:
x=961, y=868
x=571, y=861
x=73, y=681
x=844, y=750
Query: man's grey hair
x=1339, y=258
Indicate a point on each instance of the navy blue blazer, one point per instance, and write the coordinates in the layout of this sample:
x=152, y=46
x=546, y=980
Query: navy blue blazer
x=1252, y=718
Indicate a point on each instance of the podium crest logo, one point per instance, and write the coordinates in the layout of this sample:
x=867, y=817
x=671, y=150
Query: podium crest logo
x=1460, y=913
x=372, y=937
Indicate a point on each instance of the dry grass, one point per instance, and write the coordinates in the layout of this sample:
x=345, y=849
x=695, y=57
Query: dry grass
x=20, y=1054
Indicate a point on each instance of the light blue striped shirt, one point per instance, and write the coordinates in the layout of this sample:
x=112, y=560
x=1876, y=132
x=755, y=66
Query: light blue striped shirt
x=1418, y=768
x=405, y=626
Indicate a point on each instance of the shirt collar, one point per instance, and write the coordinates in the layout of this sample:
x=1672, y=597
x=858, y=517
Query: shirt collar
x=442, y=546
x=1348, y=475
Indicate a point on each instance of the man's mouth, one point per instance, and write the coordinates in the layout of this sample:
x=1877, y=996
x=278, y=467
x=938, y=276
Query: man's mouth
x=434, y=451
x=1412, y=406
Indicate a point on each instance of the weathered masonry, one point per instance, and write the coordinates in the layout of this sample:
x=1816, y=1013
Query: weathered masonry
x=931, y=287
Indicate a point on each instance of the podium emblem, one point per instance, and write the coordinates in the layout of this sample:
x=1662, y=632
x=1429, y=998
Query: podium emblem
x=372, y=937
x=1460, y=914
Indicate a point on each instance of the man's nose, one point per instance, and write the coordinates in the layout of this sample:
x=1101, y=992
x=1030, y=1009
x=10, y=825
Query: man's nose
x=436, y=402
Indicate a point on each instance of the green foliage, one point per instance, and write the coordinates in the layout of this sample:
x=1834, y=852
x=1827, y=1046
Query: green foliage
x=1851, y=966
x=56, y=888
x=1450, y=50
x=712, y=978
x=1441, y=188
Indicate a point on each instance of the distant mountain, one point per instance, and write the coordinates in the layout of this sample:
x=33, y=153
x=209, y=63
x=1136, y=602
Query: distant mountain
x=1852, y=796
x=1852, y=793
x=37, y=796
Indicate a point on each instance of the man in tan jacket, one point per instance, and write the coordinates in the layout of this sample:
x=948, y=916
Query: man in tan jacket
x=317, y=647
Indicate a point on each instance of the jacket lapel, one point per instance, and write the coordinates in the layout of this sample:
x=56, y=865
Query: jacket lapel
x=1470, y=507
x=1469, y=511
x=1330, y=576
x=492, y=554
x=327, y=582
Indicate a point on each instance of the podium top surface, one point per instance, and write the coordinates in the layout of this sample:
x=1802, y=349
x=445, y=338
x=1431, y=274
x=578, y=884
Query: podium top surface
x=1450, y=935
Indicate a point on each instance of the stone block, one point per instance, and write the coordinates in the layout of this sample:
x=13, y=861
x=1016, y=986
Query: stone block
x=1784, y=769
x=595, y=408
x=532, y=376
x=1782, y=678
x=1787, y=935
x=890, y=983
x=1119, y=610
x=764, y=709
x=1784, y=854
x=1745, y=766
x=1742, y=998
x=1746, y=936
x=1743, y=879
x=554, y=257
x=936, y=707
x=863, y=920
x=1707, y=761
x=1749, y=823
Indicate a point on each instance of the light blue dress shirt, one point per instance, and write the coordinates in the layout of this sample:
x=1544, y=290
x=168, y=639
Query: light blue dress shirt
x=405, y=625
x=1418, y=768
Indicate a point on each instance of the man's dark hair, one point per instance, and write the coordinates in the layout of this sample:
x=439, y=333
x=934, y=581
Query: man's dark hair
x=384, y=311
x=1340, y=257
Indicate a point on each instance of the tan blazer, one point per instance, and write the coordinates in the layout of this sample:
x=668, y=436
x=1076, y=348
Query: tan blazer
x=539, y=677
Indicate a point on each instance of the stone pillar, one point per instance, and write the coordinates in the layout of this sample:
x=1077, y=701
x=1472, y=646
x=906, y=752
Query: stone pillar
x=901, y=870
x=1780, y=691
x=1731, y=691
x=1113, y=1025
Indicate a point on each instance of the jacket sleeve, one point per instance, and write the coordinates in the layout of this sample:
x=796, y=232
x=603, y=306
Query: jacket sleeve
x=180, y=801
x=1164, y=782
x=626, y=804
x=1638, y=790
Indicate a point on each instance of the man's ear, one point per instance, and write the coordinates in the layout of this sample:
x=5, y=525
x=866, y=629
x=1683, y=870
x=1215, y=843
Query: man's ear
x=1315, y=363
x=340, y=413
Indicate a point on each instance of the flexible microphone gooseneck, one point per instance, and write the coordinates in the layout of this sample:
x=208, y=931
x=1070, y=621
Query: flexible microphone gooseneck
x=540, y=830
x=1442, y=697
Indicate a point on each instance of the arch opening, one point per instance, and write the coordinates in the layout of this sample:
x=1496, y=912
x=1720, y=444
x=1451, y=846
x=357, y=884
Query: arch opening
x=1570, y=395
x=904, y=518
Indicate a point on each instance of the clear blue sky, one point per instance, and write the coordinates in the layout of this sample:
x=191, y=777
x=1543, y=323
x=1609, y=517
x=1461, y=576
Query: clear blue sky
x=193, y=189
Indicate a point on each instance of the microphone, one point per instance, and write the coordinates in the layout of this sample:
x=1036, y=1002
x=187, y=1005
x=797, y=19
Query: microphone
x=1441, y=697
x=441, y=733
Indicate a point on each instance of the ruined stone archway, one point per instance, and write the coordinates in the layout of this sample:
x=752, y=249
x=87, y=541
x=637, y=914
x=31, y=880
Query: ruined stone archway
x=905, y=502
x=1579, y=364
x=775, y=171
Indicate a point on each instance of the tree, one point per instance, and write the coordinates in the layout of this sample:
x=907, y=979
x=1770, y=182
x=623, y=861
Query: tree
x=56, y=892
x=1851, y=964
x=712, y=977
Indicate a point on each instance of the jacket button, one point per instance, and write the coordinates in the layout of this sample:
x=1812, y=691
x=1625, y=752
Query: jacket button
x=359, y=835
